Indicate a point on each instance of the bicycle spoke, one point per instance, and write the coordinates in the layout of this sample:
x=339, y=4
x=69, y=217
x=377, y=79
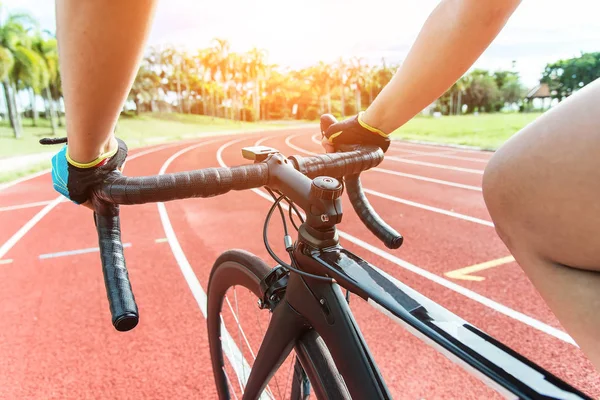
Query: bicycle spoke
x=287, y=381
x=230, y=351
x=229, y=384
x=237, y=318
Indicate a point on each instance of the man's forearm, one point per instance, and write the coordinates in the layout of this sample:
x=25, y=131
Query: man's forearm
x=100, y=45
x=453, y=37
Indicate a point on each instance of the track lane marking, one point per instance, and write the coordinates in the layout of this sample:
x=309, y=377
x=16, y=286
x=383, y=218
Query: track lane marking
x=450, y=155
x=434, y=165
x=7, y=261
x=28, y=205
x=37, y=217
x=23, y=179
x=404, y=201
x=230, y=348
x=430, y=208
x=465, y=273
x=388, y=171
x=400, y=142
x=28, y=225
x=75, y=252
x=485, y=301
x=426, y=179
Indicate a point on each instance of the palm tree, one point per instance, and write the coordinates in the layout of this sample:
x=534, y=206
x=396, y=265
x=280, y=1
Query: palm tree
x=48, y=50
x=256, y=69
x=15, y=55
x=206, y=61
x=29, y=73
x=356, y=77
x=323, y=79
x=144, y=88
x=340, y=77
x=221, y=49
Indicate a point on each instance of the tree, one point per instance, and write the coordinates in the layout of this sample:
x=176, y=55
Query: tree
x=564, y=77
x=144, y=88
x=256, y=70
x=357, y=79
x=18, y=62
x=340, y=78
x=48, y=51
x=481, y=91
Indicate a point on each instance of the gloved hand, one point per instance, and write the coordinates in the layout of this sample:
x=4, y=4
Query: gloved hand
x=75, y=180
x=353, y=131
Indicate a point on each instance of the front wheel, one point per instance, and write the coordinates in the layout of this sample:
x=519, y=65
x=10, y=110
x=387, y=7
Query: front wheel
x=236, y=327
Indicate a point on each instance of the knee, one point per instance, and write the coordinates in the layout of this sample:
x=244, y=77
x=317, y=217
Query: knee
x=500, y=187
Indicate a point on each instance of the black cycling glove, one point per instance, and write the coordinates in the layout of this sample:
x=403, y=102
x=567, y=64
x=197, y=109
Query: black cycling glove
x=75, y=180
x=356, y=131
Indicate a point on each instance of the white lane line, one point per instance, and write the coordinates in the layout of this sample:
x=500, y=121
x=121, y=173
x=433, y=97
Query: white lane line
x=391, y=172
x=261, y=141
x=7, y=261
x=418, y=155
x=507, y=311
x=26, y=205
x=300, y=149
x=448, y=154
x=434, y=165
x=400, y=143
x=75, y=252
x=37, y=217
x=426, y=179
x=27, y=227
x=386, y=171
x=230, y=348
x=161, y=240
x=430, y=208
x=23, y=179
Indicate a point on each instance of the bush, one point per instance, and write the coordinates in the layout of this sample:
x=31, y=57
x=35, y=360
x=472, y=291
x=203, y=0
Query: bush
x=311, y=114
x=247, y=114
x=349, y=109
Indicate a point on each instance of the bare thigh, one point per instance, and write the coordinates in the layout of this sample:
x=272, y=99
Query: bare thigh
x=542, y=189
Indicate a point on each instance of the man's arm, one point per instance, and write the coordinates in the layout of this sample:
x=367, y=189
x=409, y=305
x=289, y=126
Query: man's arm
x=100, y=45
x=453, y=37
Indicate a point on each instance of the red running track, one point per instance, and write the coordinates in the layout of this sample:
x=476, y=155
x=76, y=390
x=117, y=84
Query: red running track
x=56, y=340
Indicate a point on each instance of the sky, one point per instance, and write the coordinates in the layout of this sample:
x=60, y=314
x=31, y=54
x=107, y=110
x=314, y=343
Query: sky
x=300, y=33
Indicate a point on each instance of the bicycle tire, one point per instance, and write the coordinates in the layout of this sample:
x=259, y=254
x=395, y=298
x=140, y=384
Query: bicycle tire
x=241, y=268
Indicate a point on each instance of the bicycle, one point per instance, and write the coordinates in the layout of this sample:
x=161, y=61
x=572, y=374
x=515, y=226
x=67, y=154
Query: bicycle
x=308, y=310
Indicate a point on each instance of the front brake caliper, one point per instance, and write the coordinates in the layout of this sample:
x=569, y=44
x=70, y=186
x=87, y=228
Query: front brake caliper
x=273, y=287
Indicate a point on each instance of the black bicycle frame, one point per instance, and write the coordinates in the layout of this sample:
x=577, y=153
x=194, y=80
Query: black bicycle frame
x=312, y=304
x=304, y=304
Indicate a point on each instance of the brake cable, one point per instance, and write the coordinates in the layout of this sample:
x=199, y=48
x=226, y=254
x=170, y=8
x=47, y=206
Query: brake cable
x=287, y=241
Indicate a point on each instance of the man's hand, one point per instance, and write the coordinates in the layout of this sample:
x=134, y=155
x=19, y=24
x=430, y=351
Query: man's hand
x=353, y=131
x=75, y=180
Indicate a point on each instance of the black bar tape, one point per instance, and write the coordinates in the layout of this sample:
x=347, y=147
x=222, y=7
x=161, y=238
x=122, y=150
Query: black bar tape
x=340, y=164
x=368, y=216
x=122, y=305
x=118, y=189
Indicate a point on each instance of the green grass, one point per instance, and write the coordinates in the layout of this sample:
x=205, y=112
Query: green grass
x=12, y=175
x=135, y=131
x=488, y=131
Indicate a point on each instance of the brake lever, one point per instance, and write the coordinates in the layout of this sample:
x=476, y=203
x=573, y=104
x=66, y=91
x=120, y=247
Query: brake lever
x=369, y=217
